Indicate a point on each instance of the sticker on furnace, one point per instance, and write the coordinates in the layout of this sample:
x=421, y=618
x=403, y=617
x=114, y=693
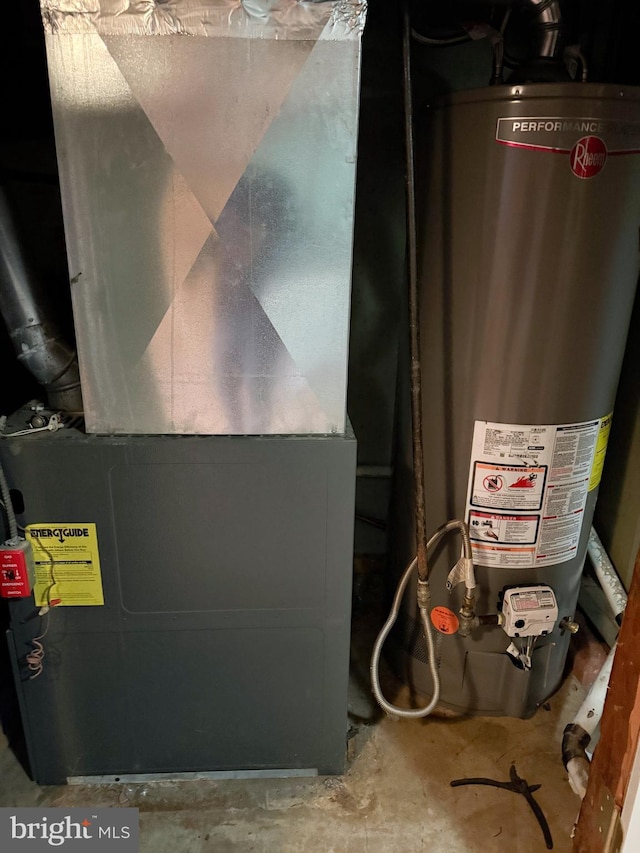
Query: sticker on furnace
x=508, y=487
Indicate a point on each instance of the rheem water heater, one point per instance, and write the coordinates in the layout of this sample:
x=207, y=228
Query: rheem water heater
x=529, y=206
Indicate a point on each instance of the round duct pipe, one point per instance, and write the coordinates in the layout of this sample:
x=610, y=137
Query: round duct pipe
x=38, y=344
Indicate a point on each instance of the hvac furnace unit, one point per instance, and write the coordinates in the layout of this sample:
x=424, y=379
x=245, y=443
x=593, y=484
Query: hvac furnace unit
x=196, y=539
x=528, y=262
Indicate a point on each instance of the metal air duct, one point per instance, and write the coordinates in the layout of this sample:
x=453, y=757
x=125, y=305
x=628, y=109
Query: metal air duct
x=547, y=23
x=38, y=344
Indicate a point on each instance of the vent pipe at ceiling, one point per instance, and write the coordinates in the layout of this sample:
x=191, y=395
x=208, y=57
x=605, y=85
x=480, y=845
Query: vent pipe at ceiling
x=547, y=21
x=37, y=342
x=545, y=64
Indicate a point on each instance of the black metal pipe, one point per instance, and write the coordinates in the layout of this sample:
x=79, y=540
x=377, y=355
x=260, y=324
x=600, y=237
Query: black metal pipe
x=37, y=342
x=414, y=318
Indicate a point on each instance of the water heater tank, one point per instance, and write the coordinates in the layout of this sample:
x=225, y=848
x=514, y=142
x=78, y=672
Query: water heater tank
x=528, y=263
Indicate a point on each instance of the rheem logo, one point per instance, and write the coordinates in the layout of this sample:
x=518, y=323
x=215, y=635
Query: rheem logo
x=588, y=156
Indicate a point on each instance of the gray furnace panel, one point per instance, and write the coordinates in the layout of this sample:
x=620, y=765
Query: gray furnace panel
x=223, y=642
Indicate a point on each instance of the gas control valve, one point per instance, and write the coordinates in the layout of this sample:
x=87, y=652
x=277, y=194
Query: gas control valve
x=529, y=611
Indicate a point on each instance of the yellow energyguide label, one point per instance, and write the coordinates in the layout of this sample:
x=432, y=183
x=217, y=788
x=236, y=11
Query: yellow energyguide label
x=601, y=451
x=67, y=564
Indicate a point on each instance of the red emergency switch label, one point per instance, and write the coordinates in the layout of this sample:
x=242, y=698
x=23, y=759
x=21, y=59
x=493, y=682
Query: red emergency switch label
x=14, y=572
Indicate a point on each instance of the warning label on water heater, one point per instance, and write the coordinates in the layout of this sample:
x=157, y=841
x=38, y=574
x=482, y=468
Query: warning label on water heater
x=508, y=486
x=528, y=487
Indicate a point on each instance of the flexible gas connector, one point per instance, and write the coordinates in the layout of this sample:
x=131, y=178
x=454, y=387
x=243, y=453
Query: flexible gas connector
x=424, y=600
x=425, y=594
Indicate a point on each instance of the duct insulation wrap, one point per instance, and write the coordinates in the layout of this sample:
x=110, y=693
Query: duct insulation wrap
x=207, y=155
x=528, y=261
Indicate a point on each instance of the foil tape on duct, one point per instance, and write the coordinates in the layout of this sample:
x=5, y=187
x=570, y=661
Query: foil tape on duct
x=290, y=19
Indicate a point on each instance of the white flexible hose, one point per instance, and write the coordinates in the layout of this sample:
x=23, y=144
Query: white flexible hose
x=585, y=723
x=374, y=668
x=608, y=579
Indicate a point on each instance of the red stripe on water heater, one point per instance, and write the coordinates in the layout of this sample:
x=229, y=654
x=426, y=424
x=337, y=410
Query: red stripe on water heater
x=529, y=147
x=550, y=150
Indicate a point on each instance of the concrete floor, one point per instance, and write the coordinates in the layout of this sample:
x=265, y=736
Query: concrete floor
x=395, y=795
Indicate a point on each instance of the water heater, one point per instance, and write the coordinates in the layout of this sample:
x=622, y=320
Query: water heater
x=528, y=263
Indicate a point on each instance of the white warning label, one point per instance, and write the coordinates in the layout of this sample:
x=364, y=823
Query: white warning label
x=505, y=529
x=528, y=487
